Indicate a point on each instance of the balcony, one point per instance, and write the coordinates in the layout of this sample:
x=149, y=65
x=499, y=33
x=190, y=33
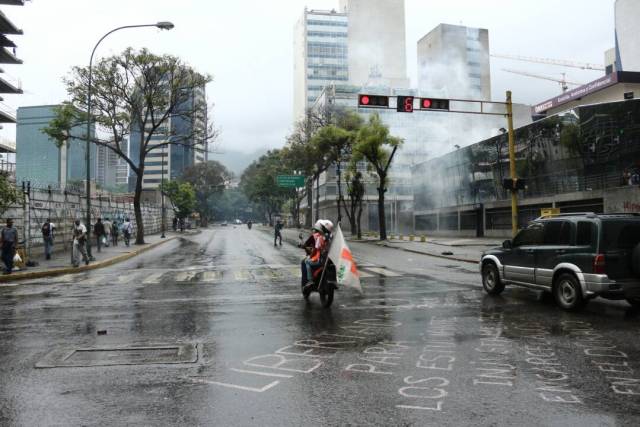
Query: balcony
x=7, y=27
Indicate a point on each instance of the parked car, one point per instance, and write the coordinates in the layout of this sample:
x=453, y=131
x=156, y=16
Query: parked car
x=576, y=257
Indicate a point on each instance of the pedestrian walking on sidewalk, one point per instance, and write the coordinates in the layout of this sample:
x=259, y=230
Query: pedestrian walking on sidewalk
x=107, y=232
x=98, y=231
x=127, y=230
x=115, y=231
x=175, y=224
x=47, y=236
x=79, y=243
x=9, y=242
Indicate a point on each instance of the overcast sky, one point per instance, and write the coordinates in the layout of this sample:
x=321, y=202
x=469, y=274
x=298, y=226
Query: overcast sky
x=247, y=45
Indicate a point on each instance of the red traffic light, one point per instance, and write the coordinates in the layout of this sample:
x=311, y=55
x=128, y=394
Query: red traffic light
x=405, y=104
x=373, y=101
x=434, y=104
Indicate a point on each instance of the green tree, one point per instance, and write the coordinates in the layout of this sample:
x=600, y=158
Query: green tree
x=134, y=95
x=258, y=182
x=372, y=144
x=208, y=179
x=355, y=191
x=182, y=197
x=9, y=194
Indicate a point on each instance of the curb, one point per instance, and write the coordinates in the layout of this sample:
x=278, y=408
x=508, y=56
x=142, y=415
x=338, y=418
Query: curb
x=413, y=251
x=71, y=270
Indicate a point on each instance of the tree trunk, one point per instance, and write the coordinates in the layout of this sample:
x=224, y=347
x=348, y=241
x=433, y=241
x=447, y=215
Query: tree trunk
x=307, y=220
x=137, y=208
x=382, y=220
x=317, y=198
x=339, y=192
x=358, y=220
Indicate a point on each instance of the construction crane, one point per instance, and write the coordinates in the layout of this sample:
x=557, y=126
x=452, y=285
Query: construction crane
x=561, y=62
x=564, y=84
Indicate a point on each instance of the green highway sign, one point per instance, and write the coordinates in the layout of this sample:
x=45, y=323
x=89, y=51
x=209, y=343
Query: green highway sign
x=290, y=181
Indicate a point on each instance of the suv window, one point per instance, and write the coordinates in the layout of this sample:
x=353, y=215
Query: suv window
x=557, y=233
x=530, y=236
x=620, y=235
x=586, y=233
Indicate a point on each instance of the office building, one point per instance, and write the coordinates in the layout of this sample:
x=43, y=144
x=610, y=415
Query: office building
x=453, y=62
x=40, y=161
x=376, y=42
x=320, y=56
x=8, y=85
x=188, y=127
x=122, y=167
x=627, y=15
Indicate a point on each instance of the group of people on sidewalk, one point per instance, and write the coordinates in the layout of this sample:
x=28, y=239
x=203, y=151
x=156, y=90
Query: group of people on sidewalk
x=105, y=232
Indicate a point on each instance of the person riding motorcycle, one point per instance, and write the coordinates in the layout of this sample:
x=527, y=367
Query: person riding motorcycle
x=316, y=247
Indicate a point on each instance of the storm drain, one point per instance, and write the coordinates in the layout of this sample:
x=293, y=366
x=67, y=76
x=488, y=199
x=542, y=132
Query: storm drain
x=114, y=356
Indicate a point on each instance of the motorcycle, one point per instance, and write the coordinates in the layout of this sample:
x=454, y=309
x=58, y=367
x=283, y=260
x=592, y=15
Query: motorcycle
x=249, y=224
x=325, y=282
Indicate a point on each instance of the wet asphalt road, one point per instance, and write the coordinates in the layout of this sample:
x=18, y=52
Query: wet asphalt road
x=212, y=330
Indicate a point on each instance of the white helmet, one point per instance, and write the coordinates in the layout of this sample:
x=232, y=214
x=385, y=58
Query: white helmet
x=318, y=225
x=328, y=225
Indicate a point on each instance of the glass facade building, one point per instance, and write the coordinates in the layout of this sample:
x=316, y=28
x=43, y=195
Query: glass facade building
x=571, y=161
x=39, y=160
x=321, y=56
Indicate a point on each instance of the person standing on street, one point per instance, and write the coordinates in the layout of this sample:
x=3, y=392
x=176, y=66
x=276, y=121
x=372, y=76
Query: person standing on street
x=127, y=230
x=79, y=243
x=175, y=224
x=278, y=233
x=98, y=231
x=9, y=242
x=107, y=232
x=115, y=230
x=47, y=236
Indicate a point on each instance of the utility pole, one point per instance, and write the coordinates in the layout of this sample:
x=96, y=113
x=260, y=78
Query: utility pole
x=512, y=166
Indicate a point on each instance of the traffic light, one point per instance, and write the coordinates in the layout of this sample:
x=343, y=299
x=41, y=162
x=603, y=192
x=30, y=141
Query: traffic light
x=373, y=101
x=514, y=184
x=434, y=104
x=405, y=104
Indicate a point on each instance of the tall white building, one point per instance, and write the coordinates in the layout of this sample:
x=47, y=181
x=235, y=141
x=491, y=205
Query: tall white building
x=627, y=43
x=377, y=42
x=453, y=62
x=320, y=56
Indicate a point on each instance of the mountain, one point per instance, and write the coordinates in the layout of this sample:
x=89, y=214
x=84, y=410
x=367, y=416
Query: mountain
x=237, y=161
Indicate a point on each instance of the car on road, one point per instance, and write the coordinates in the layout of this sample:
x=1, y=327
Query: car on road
x=575, y=257
x=223, y=224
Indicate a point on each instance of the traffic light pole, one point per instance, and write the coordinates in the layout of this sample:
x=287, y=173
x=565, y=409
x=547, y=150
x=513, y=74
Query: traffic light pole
x=512, y=166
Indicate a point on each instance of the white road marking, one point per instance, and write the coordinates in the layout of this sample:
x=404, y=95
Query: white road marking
x=153, y=278
x=211, y=276
x=383, y=272
x=240, y=387
x=266, y=374
x=184, y=276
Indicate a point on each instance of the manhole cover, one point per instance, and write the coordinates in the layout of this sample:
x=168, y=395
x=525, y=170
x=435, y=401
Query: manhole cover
x=112, y=356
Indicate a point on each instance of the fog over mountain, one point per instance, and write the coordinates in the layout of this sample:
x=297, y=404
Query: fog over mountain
x=236, y=161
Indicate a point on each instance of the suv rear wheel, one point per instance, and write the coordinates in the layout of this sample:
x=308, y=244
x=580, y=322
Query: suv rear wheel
x=491, y=279
x=568, y=293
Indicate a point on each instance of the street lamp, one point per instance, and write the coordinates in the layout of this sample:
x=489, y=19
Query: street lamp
x=163, y=220
x=163, y=25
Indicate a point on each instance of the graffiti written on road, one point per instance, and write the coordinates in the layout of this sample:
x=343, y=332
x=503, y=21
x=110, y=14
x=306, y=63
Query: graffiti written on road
x=603, y=354
x=306, y=356
x=437, y=358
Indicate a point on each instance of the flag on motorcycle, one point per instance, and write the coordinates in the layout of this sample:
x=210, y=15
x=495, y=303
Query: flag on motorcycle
x=346, y=268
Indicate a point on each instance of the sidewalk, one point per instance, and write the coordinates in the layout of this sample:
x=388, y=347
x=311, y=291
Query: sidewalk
x=60, y=262
x=455, y=248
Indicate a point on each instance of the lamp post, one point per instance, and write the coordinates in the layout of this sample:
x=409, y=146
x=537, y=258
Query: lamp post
x=164, y=25
x=163, y=212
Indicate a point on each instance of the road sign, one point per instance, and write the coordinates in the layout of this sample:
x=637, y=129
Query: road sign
x=290, y=181
x=549, y=212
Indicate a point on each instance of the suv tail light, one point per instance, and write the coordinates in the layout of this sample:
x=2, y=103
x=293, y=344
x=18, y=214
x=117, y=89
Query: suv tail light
x=598, y=264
